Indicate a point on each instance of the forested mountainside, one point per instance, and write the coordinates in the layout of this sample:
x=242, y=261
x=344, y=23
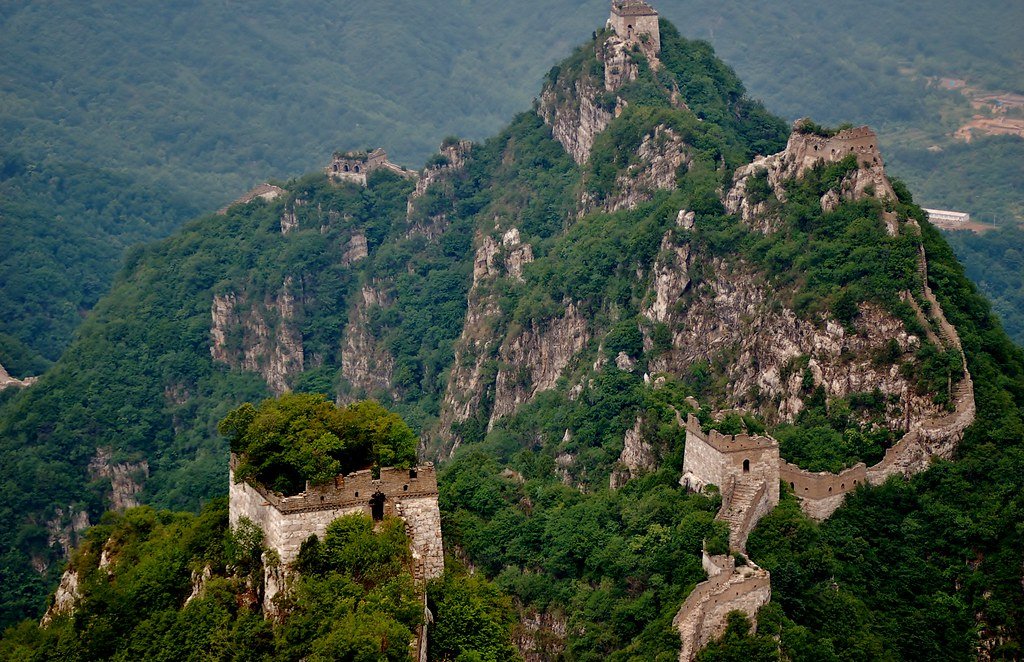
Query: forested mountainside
x=65, y=227
x=993, y=260
x=544, y=308
x=194, y=103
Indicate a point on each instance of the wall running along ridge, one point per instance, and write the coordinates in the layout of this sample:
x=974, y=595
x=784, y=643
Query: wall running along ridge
x=748, y=470
x=729, y=587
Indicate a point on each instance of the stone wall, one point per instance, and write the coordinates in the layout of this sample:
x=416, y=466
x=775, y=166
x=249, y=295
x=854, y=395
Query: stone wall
x=410, y=494
x=822, y=492
x=356, y=167
x=729, y=588
x=636, y=22
x=715, y=458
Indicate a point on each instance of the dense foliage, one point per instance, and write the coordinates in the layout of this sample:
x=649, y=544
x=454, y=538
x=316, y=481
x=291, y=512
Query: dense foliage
x=995, y=261
x=140, y=379
x=172, y=586
x=524, y=499
x=65, y=227
x=285, y=442
x=912, y=569
x=126, y=132
x=614, y=565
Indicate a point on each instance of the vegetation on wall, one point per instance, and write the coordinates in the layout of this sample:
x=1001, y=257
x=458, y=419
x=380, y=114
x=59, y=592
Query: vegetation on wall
x=170, y=586
x=287, y=441
x=524, y=500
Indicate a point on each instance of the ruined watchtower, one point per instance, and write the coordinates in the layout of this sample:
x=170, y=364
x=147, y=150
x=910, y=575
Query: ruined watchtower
x=636, y=22
x=355, y=166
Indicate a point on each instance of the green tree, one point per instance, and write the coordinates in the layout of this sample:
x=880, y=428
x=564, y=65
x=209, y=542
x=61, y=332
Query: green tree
x=299, y=437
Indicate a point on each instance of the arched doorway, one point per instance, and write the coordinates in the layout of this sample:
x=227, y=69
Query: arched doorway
x=377, y=506
x=746, y=466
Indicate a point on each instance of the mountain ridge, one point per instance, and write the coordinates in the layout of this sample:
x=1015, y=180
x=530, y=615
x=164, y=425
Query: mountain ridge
x=556, y=285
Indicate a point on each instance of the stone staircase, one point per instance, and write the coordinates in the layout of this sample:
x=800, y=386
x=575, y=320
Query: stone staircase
x=737, y=511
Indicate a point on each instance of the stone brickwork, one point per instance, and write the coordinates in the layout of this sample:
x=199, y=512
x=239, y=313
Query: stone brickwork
x=267, y=192
x=356, y=167
x=287, y=521
x=702, y=617
x=636, y=22
x=722, y=460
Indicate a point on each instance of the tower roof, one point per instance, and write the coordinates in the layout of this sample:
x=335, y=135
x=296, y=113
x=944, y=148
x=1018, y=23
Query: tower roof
x=633, y=8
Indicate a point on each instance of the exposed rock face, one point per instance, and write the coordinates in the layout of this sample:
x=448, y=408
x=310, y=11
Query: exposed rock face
x=365, y=363
x=619, y=67
x=242, y=337
x=534, y=359
x=126, y=478
x=637, y=457
x=540, y=637
x=470, y=380
x=6, y=381
x=659, y=157
x=803, y=152
x=455, y=154
x=356, y=250
x=671, y=277
x=575, y=115
x=64, y=527
x=289, y=220
x=734, y=315
x=65, y=599
x=199, y=581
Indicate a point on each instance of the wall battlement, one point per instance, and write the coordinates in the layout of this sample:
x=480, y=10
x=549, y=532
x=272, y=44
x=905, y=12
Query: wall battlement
x=355, y=489
x=636, y=22
x=702, y=616
x=357, y=167
x=860, y=141
x=728, y=443
x=286, y=522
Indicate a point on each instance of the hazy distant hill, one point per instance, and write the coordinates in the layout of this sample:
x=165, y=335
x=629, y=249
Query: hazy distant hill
x=194, y=102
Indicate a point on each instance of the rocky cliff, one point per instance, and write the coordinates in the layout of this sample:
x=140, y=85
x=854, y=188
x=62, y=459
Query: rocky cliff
x=365, y=363
x=6, y=381
x=258, y=336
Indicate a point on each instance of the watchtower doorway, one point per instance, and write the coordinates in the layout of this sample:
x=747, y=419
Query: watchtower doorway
x=746, y=466
x=377, y=506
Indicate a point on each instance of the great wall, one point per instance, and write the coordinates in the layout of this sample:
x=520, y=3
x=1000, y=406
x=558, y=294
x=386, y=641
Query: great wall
x=748, y=469
x=288, y=521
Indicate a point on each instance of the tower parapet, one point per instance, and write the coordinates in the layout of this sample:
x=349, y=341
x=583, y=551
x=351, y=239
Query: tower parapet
x=636, y=22
x=287, y=521
x=356, y=167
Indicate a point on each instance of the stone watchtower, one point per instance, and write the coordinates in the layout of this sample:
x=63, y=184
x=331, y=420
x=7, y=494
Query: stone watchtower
x=636, y=22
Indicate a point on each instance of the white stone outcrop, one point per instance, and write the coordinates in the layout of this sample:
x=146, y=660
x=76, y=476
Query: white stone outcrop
x=126, y=478
x=6, y=381
x=271, y=343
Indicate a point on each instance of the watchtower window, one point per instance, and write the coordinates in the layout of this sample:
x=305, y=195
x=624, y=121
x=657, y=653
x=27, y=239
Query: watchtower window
x=792, y=486
x=357, y=168
x=746, y=466
x=412, y=473
x=346, y=167
x=377, y=507
x=335, y=167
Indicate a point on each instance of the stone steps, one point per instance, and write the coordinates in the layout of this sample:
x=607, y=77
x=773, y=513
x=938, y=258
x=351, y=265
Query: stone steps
x=740, y=503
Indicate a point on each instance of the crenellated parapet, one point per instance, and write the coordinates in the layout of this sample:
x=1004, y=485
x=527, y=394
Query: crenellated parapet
x=356, y=167
x=703, y=615
x=287, y=521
